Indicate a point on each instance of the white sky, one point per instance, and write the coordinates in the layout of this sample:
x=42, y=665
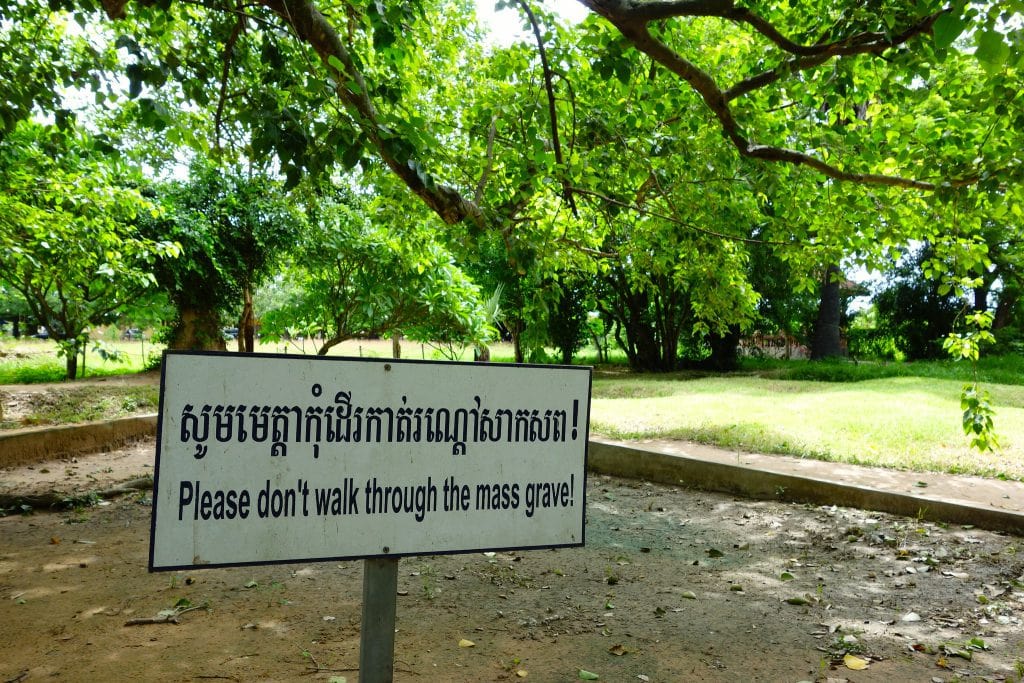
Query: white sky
x=505, y=26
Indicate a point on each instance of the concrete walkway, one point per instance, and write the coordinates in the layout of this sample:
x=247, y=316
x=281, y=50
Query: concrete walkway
x=985, y=503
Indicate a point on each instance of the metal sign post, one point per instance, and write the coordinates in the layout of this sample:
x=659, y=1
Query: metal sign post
x=377, y=632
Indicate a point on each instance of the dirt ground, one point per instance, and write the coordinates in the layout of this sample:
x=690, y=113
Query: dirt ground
x=672, y=585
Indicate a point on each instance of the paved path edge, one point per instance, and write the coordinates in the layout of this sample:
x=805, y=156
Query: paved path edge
x=26, y=446
x=982, y=505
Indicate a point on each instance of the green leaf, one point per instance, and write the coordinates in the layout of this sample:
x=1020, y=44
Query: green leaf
x=947, y=28
x=992, y=51
x=336, y=63
x=585, y=675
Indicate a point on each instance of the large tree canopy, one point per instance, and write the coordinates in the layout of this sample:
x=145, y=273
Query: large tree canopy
x=317, y=82
x=827, y=130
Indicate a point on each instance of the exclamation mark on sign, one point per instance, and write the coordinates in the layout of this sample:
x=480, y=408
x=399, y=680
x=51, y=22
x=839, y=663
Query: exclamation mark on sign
x=572, y=490
x=575, y=418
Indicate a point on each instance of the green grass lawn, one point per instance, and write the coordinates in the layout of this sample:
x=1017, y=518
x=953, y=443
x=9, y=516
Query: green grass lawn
x=896, y=415
x=29, y=361
x=897, y=422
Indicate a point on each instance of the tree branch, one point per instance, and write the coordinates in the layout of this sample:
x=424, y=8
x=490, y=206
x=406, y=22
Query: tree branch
x=313, y=28
x=552, y=111
x=810, y=57
x=229, y=49
x=715, y=100
x=641, y=13
x=486, y=173
x=631, y=18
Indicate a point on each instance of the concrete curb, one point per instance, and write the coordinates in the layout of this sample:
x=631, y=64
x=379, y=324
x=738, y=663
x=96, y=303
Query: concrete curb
x=27, y=446
x=640, y=462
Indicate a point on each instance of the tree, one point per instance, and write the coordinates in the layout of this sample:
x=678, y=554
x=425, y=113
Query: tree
x=354, y=277
x=1003, y=274
x=498, y=262
x=784, y=76
x=42, y=57
x=68, y=244
x=668, y=287
x=568, y=316
x=233, y=229
x=784, y=307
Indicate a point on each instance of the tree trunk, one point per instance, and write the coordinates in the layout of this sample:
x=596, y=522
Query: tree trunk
x=396, y=345
x=827, y=342
x=247, y=324
x=515, y=328
x=981, y=298
x=724, y=350
x=197, y=330
x=1005, y=309
x=71, y=366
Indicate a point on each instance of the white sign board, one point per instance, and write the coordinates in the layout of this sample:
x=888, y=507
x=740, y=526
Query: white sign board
x=267, y=458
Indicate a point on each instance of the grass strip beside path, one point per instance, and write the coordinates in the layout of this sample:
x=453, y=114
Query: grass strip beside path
x=910, y=423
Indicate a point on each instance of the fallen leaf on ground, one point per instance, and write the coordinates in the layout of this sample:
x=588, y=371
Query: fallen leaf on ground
x=855, y=663
x=618, y=650
x=585, y=675
x=466, y=643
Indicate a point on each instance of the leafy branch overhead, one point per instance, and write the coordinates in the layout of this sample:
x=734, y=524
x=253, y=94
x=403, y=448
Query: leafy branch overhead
x=642, y=24
x=776, y=77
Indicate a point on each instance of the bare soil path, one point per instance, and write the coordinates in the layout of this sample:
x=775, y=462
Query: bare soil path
x=672, y=585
